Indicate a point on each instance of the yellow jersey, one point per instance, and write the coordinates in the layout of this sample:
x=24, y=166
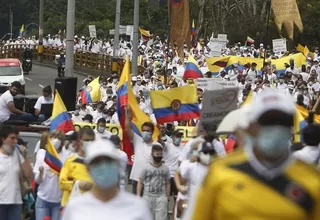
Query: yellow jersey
x=73, y=169
x=233, y=190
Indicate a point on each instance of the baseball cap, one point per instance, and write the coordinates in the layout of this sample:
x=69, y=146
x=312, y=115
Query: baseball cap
x=270, y=100
x=234, y=120
x=101, y=148
x=115, y=140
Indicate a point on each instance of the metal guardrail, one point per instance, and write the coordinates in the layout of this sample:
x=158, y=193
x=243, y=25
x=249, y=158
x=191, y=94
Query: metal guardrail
x=93, y=61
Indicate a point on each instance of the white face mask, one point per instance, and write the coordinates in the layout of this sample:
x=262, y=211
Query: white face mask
x=56, y=142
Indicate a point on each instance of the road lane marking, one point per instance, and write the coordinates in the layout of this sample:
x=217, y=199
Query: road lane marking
x=41, y=86
x=28, y=79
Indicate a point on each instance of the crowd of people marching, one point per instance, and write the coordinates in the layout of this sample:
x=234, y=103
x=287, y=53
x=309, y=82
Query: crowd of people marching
x=262, y=180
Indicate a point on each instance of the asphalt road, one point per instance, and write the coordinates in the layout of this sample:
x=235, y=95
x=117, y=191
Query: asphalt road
x=42, y=76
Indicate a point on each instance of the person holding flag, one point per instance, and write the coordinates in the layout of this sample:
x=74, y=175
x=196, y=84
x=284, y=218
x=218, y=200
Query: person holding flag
x=47, y=167
x=74, y=173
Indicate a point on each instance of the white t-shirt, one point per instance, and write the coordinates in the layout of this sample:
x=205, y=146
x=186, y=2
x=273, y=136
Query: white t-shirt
x=123, y=167
x=123, y=206
x=194, y=173
x=37, y=147
x=105, y=134
x=41, y=100
x=142, y=155
x=171, y=157
x=308, y=154
x=10, y=188
x=48, y=186
x=5, y=113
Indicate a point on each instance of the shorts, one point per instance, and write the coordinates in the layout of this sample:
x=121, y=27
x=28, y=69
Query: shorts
x=173, y=187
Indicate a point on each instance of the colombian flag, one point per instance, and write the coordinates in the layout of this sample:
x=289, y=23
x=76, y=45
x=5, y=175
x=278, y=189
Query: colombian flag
x=230, y=142
x=21, y=33
x=193, y=35
x=176, y=104
x=126, y=97
x=299, y=124
x=250, y=40
x=223, y=62
x=52, y=158
x=300, y=48
x=305, y=113
x=60, y=119
x=192, y=70
x=92, y=92
x=145, y=34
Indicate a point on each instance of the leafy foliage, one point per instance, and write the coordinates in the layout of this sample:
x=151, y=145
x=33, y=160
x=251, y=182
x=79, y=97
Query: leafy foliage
x=237, y=18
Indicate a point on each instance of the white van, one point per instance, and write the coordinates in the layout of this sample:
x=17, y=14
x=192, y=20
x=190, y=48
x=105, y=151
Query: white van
x=10, y=71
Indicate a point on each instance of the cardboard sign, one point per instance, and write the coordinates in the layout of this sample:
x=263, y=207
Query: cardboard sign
x=279, y=45
x=216, y=45
x=92, y=31
x=228, y=84
x=222, y=37
x=217, y=104
x=208, y=84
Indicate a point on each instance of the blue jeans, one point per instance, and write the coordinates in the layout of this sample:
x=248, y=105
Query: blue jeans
x=42, y=117
x=10, y=212
x=24, y=117
x=47, y=209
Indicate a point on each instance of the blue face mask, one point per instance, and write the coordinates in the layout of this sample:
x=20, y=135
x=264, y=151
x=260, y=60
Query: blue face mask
x=146, y=135
x=272, y=141
x=105, y=174
x=177, y=141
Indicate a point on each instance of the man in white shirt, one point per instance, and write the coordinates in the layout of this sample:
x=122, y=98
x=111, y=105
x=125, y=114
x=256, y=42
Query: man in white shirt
x=105, y=199
x=46, y=98
x=8, y=111
x=171, y=157
x=252, y=73
x=142, y=147
x=123, y=160
x=100, y=131
x=310, y=153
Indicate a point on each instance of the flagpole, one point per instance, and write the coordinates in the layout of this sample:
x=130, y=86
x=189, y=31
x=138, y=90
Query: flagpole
x=168, y=40
x=266, y=40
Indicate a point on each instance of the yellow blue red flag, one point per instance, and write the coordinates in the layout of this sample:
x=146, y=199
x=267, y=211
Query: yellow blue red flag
x=176, y=104
x=250, y=40
x=299, y=124
x=60, y=119
x=126, y=97
x=192, y=70
x=52, y=158
x=21, y=33
x=91, y=93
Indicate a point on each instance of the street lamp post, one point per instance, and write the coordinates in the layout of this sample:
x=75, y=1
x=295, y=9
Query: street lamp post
x=114, y=67
x=134, y=64
x=40, y=46
x=70, y=37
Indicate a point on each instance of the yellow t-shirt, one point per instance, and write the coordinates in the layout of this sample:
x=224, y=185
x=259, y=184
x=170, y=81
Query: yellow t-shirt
x=233, y=190
x=72, y=170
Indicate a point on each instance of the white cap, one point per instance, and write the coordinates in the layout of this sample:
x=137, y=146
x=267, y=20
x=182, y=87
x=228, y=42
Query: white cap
x=102, y=147
x=269, y=100
x=233, y=121
x=134, y=78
